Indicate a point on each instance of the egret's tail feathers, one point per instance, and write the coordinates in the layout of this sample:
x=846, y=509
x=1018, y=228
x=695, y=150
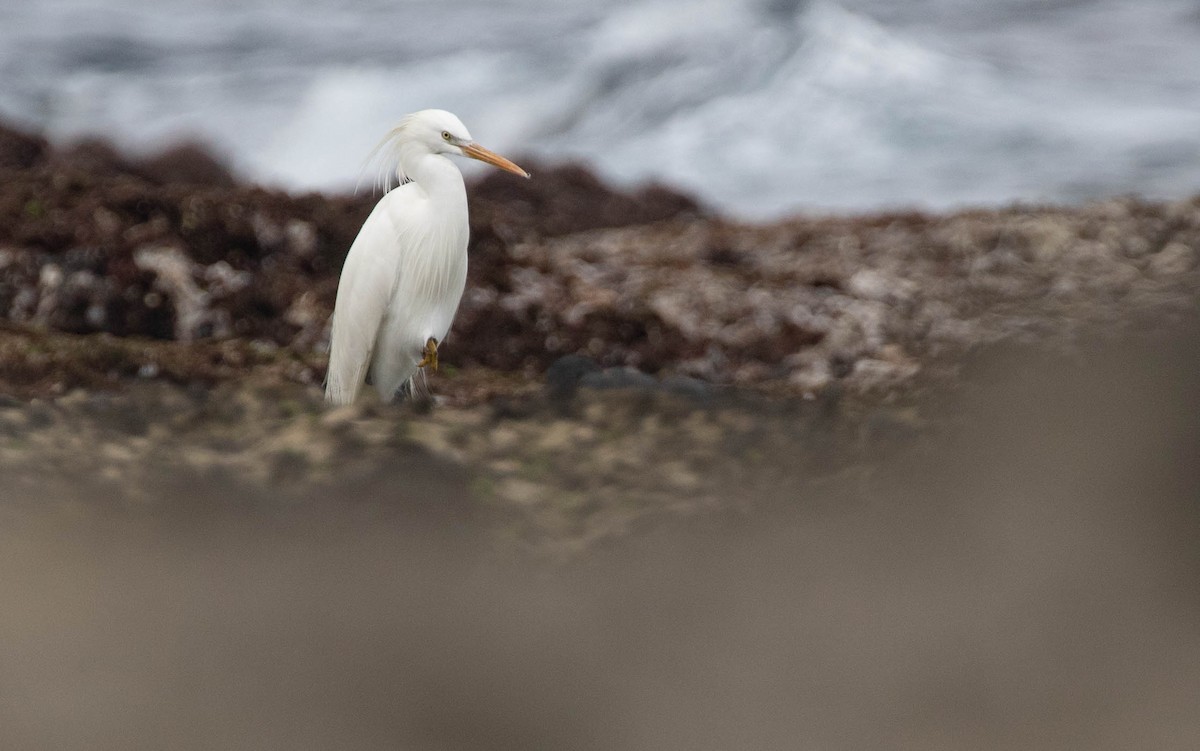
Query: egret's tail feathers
x=344, y=378
x=339, y=392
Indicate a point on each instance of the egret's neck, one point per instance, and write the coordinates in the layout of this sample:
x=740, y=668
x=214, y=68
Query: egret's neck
x=435, y=174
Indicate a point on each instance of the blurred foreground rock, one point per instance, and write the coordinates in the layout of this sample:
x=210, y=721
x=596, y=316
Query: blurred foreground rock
x=1009, y=564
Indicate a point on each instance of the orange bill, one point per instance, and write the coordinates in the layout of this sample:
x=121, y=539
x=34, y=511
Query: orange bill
x=475, y=151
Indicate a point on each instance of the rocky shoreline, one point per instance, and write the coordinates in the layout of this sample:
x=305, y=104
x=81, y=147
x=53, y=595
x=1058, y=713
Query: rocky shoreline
x=172, y=249
x=618, y=356
x=864, y=482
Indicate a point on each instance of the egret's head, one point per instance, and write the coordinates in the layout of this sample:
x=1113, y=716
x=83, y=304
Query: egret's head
x=443, y=133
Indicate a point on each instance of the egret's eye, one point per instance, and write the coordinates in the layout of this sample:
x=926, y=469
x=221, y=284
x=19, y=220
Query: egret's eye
x=446, y=135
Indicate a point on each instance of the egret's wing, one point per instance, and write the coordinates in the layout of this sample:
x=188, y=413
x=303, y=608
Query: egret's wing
x=364, y=292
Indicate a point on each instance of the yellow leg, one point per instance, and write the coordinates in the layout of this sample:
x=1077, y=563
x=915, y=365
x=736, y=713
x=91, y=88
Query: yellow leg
x=431, y=357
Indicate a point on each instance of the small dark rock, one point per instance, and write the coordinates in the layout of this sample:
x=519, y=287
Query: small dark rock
x=564, y=375
x=693, y=388
x=10, y=402
x=619, y=378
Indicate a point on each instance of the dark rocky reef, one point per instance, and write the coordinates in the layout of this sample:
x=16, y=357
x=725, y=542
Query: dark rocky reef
x=175, y=249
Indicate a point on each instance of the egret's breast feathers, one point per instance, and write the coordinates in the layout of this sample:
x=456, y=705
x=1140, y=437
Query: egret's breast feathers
x=432, y=265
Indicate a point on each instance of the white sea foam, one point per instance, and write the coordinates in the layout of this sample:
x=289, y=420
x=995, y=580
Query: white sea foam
x=760, y=106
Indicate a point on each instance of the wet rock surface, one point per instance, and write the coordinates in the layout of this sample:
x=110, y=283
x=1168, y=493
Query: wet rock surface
x=617, y=356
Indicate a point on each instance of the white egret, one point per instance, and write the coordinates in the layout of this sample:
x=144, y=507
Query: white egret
x=405, y=272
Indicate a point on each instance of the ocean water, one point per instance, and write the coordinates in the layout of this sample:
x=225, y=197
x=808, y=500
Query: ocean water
x=761, y=107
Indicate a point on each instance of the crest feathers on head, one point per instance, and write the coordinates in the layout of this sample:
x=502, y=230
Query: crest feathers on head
x=384, y=160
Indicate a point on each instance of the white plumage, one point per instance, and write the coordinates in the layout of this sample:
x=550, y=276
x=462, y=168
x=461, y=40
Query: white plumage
x=405, y=272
